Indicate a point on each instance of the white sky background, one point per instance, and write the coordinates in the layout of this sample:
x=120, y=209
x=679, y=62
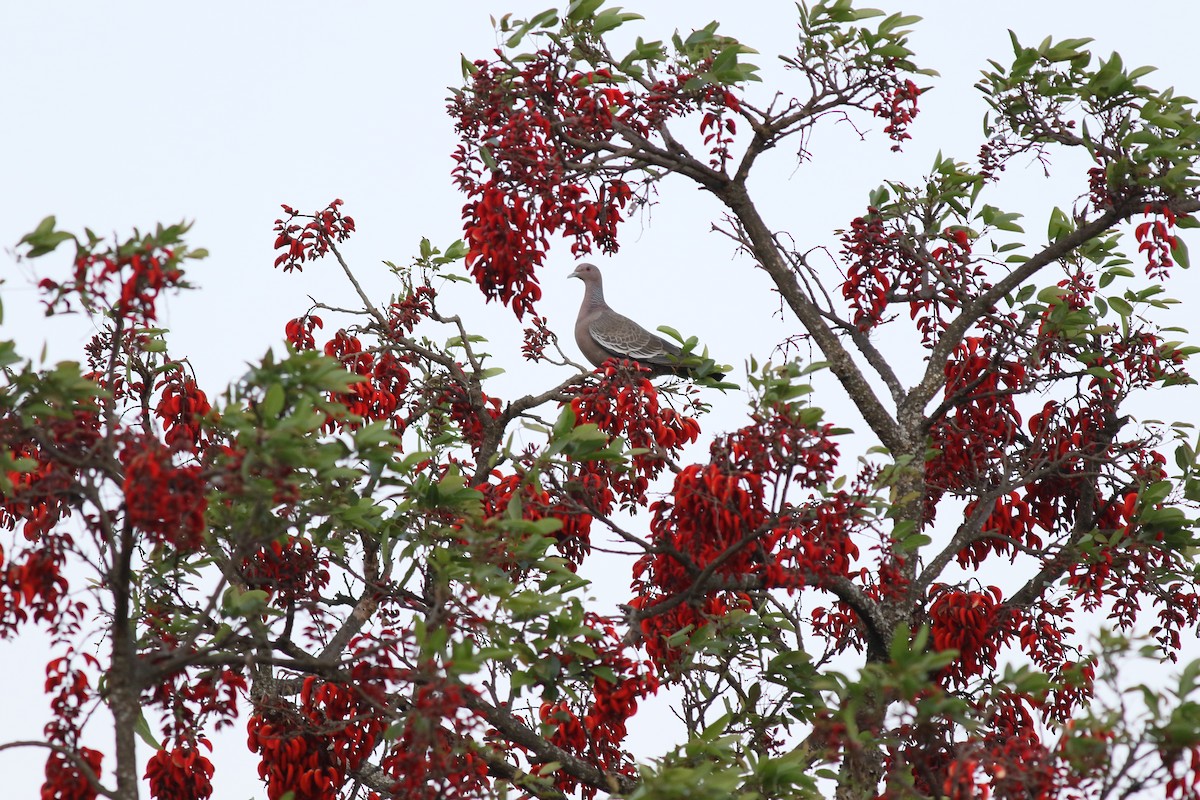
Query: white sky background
x=115, y=116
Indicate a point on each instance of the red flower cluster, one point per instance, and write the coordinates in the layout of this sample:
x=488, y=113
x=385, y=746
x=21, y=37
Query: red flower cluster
x=573, y=537
x=717, y=524
x=189, y=701
x=537, y=338
x=970, y=623
x=405, y=313
x=379, y=394
x=1100, y=196
x=162, y=500
x=299, y=332
x=514, y=167
x=719, y=130
x=182, y=405
x=127, y=279
x=431, y=757
x=71, y=692
x=66, y=781
x=596, y=732
x=870, y=248
x=528, y=164
x=885, y=268
x=33, y=587
x=898, y=105
x=181, y=773
x=816, y=547
x=839, y=624
x=1072, y=439
x=1156, y=238
x=782, y=448
x=623, y=402
x=39, y=495
x=456, y=403
x=289, y=569
x=1183, y=766
x=1012, y=520
x=973, y=435
x=309, y=751
x=711, y=526
x=311, y=240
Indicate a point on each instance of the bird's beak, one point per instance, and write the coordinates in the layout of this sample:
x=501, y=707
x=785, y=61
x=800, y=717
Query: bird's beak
x=575, y=274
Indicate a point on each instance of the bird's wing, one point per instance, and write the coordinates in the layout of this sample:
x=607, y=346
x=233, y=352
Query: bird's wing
x=621, y=337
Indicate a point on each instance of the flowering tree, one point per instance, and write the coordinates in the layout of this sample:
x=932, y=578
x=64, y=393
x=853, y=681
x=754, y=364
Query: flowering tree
x=348, y=554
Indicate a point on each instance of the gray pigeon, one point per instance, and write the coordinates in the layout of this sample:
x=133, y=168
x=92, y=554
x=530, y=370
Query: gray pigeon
x=602, y=333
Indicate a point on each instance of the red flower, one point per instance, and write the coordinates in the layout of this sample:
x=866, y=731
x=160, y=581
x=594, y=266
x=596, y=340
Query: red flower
x=312, y=240
x=181, y=773
x=162, y=500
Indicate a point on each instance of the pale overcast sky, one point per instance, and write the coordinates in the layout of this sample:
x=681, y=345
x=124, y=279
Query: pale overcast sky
x=117, y=115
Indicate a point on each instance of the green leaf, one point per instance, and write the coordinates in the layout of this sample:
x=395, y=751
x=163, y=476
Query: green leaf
x=1120, y=306
x=252, y=602
x=142, y=729
x=1179, y=252
x=610, y=19
x=582, y=9
x=1051, y=295
x=272, y=404
x=44, y=238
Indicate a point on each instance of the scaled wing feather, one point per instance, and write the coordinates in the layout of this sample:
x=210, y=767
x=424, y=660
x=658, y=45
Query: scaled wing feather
x=624, y=338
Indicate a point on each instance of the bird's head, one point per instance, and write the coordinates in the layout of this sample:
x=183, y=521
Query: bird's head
x=588, y=273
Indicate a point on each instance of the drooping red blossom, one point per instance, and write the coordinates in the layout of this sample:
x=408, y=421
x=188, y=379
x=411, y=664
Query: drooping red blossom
x=59, y=441
x=129, y=282
x=623, y=402
x=719, y=129
x=1156, y=240
x=886, y=267
x=405, y=313
x=66, y=781
x=431, y=757
x=310, y=750
x=313, y=239
x=38, y=498
x=379, y=395
x=299, y=331
x=537, y=338
x=572, y=538
x=898, y=105
x=181, y=773
x=839, y=623
x=292, y=761
x=718, y=523
x=868, y=247
x=32, y=586
x=1100, y=196
x=182, y=405
x=71, y=693
x=190, y=700
x=291, y=570
x=164, y=501
x=972, y=436
x=454, y=402
x=518, y=196
x=783, y=447
x=526, y=129
x=596, y=730
x=969, y=623
x=711, y=525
